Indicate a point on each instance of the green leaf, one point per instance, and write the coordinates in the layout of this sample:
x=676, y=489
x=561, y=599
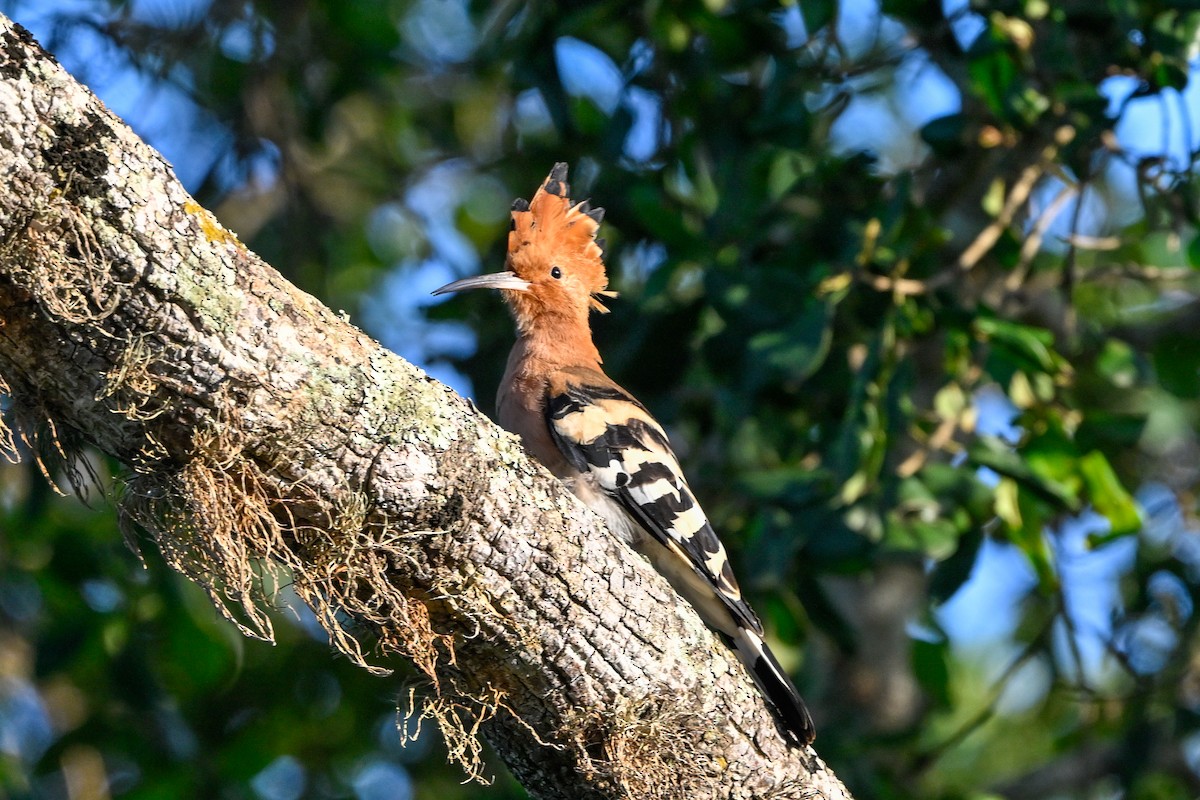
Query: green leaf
x=993, y=74
x=919, y=523
x=949, y=575
x=993, y=199
x=1008, y=508
x=787, y=168
x=936, y=538
x=1177, y=364
x=1193, y=251
x=1031, y=104
x=946, y=135
x=930, y=662
x=996, y=455
x=817, y=13
x=793, y=487
x=1033, y=345
x=1110, y=430
x=798, y=350
x=1053, y=459
x=1118, y=363
x=1030, y=537
x=1108, y=497
x=1170, y=75
x=588, y=117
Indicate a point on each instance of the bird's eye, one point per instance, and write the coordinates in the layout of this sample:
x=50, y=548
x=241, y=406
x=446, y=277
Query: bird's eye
x=555, y=273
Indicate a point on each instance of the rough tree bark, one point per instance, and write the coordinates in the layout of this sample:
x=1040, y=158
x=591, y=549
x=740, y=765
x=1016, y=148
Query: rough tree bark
x=265, y=434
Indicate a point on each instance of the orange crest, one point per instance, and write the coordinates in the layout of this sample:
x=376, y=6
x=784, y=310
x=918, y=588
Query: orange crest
x=550, y=233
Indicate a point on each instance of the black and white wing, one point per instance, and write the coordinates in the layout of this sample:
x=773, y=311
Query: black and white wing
x=605, y=433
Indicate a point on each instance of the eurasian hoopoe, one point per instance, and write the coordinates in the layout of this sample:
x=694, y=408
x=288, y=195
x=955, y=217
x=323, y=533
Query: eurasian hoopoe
x=598, y=439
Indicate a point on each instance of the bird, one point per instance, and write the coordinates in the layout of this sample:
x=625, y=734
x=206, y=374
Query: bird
x=598, y=439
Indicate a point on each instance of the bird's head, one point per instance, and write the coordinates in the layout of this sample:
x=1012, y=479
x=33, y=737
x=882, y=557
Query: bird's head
x=555, y=266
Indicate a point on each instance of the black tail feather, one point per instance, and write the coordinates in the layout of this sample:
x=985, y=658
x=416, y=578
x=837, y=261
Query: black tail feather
x=776, y=687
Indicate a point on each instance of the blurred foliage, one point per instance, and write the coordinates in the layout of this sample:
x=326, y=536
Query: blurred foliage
x=912, y=286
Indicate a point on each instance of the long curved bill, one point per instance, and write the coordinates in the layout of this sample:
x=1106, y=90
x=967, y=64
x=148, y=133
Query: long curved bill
x=493, y=280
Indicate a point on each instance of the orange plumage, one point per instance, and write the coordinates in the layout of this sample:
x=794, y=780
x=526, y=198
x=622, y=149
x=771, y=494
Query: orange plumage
x=548, y=234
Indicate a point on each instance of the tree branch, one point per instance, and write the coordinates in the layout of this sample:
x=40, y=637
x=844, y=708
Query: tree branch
x=267, y=436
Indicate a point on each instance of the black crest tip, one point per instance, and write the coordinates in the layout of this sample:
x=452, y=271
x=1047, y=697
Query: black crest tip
x=597, y=214
x=557, y=184
x=520, y=204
